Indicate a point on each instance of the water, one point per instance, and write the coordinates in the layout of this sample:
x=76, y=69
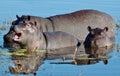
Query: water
x=45, y=8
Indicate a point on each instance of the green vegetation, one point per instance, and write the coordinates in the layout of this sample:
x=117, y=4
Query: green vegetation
x=4, y=25
x=21, y=52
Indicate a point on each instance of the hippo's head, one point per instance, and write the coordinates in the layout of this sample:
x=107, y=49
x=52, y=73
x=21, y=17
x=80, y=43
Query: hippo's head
x=8, y=41
x=98, y=37
x=25, y=34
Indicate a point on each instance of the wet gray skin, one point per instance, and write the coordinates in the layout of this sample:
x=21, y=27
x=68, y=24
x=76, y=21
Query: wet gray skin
x=73, y=23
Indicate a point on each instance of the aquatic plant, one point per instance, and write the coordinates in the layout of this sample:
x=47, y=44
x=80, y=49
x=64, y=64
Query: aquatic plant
x=3, y=27
x=5, y=24
x=21, y=52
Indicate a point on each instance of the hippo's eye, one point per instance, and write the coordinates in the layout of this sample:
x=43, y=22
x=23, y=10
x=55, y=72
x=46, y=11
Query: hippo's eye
x=23, y=21
x=100, y=33
x=28, y=25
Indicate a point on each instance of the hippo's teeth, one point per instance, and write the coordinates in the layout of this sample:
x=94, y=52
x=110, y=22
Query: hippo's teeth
x=15, y=38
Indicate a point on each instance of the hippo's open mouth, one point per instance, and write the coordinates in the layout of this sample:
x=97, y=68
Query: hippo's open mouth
x=17, y=37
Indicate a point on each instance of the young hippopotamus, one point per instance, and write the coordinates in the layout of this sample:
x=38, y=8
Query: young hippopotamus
x=27, y=34
x=98, y=37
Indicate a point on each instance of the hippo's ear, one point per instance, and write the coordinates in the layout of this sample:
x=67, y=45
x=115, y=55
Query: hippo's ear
x=89, y=28
x=35, y=24
x=17, y=17
x=106, y=29
x=29, y=18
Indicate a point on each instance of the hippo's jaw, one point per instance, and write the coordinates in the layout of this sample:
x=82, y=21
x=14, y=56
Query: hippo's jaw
x=8, y=37
x=8, y=41
x=17, y=37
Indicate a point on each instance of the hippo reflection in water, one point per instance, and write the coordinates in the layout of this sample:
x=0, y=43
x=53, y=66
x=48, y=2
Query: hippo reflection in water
x=98, y=38
x=92, y=56
x=28, y=35
x=74, y=23
x=26, y=64
x=30, y=64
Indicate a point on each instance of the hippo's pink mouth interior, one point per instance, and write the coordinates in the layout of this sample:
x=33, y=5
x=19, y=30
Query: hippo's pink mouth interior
x=17, y=36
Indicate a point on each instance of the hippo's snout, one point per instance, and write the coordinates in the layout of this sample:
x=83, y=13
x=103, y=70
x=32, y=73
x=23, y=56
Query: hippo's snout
x=12, y=35
x=7, y=38
x=9, y=42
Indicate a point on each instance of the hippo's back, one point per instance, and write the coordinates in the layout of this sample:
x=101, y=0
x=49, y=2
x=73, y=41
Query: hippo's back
x=56, y=40
x=76, y=23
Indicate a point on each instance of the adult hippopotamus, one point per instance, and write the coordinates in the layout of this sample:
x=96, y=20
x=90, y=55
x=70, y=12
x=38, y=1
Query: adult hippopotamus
x=73, y=23
x=29, y=36
x=98, y=38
